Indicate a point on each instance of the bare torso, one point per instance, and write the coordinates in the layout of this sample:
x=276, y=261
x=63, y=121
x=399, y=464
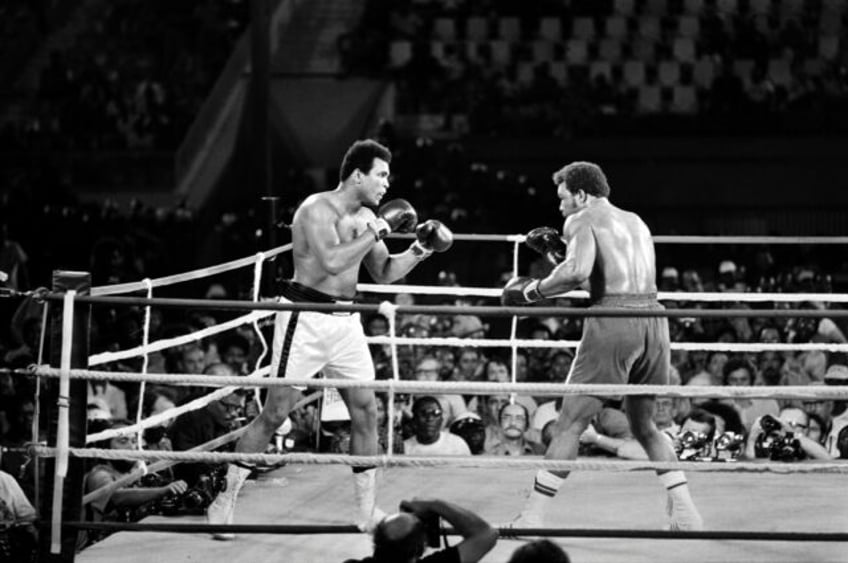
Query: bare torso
x=624, y=250
x=346, y=224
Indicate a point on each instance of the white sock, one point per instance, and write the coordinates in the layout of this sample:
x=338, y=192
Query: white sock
x=676, y=485
x=365, y=493
x=236, y=476
x=545, y=487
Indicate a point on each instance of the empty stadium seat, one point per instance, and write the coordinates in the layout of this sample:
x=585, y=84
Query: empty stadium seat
x=668, y=73
x=616, y=26
x=477, y=29
x=550, y=28
x=649, y=99
x=683, y=49
x=633, y=73
x=399, y=53
x=583, y=28
x=444, y=29
x=609, y=49
x=509, y=28
x=684, y=100
x=576, y=51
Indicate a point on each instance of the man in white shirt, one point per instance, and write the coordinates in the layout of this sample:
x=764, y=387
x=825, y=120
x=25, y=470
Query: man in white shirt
x=429, y=438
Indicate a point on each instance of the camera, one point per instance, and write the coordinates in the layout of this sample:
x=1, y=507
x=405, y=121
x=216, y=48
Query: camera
x=786, y=448
x=430, y=522
x=693, y=446
x=770, y=424
x=728, y=446
x=195, y=500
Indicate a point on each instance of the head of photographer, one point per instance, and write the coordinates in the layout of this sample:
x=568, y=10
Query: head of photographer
x=784, y=438
x=404, y=537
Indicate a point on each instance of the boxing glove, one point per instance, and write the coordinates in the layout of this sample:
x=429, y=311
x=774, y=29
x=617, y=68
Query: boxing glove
x=433, y=236
x=395, y=216
x=547, y=242
x=521, y=291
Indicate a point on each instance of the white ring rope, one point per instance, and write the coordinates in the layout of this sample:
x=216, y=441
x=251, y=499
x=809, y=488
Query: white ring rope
x=145, y=362
x=811, y=392
x=257, y=284
x=165, y=343
x=691, y=346
x=497, y=462
x=174, y=412
x=389, y=310
x=132, y=287
x=706, y=296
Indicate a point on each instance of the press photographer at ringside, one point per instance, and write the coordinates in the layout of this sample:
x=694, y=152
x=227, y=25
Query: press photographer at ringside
x=403, y=537
x=783, y=438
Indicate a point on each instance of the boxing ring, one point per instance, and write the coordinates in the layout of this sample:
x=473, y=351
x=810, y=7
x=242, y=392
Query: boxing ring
x=607, y=509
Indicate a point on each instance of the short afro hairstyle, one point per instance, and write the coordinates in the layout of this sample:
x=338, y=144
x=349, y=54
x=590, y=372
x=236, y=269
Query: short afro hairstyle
x=585, y=176
x=361, y=155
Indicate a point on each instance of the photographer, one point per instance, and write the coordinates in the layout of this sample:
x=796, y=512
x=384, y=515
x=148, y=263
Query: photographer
x=404, y=536
x=783, y=438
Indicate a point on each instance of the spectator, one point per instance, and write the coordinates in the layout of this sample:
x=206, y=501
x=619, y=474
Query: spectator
x=200, y=426
x=784, y=438
x=470, y=428
x=742, y=373
x=514, y=422
x=124, y=503
x=429, y=438
x=403, y=537
x=18, y=534
x=428, y=369
x=539, y=551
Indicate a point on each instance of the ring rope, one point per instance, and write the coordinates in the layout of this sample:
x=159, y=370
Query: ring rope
x=131, y=287
x=808, y=392
x=389, y=311
x=165, y=464
x=668, y=239
x=145, y=363
x=172, y=413
x=499, y=462
x=166, y=343
x=503, y=532
x=706, y=296
x=663, y=239
x=691, y=346
x=257, y=284
x=495, y=311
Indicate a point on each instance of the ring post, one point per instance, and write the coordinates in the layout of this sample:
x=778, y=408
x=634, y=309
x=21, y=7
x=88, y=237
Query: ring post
x=64, y=401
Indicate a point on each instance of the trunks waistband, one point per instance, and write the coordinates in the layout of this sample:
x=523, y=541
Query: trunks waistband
x=627, y=300
x=299, y=293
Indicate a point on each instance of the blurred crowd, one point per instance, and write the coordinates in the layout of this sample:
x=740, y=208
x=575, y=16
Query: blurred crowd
x=572, y=69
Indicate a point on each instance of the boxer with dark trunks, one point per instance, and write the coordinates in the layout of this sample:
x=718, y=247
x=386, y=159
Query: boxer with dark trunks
x=611, y=251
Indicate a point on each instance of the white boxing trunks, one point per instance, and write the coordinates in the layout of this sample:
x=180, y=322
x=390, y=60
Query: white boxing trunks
x=308, y=342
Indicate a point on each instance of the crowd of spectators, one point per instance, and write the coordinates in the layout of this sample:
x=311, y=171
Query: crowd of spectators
x=112, y=107
x=585, y=68
x=454, y=424
x=134, y=77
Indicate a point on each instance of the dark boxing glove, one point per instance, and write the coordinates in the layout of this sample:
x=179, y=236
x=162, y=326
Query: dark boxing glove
x=547, y=242
x=396, y=216
x=433, y=236
x=521, y=291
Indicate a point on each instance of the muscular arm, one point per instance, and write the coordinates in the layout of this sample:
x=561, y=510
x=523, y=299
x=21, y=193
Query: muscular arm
x=388, y=268
x=317, y=222
x=579, y=259
x=478, y=536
